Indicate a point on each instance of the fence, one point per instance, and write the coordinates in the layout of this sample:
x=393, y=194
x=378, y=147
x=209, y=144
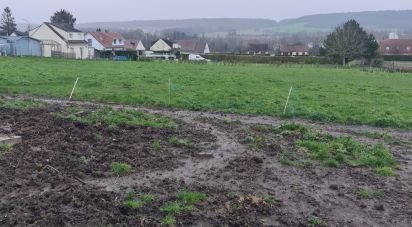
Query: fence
x=60, y=54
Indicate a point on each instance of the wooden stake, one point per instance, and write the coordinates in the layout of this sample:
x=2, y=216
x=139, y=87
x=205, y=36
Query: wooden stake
x=287, y=100
x=170, y=90
x=74, y=87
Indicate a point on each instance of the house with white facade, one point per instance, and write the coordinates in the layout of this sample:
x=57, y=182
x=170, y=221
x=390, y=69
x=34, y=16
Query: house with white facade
x=106, y=41
x=59, y=40
x=164, y=46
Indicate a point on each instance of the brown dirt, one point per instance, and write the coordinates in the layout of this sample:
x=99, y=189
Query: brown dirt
x=45, y=181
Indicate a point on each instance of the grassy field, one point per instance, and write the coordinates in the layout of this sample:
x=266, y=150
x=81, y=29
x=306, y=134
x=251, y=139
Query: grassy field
x=323, y=94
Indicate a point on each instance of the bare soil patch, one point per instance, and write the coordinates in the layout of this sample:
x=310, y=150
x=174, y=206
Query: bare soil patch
x=61, y=174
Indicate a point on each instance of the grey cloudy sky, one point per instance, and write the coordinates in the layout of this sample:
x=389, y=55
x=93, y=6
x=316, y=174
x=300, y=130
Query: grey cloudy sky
x=37, y=11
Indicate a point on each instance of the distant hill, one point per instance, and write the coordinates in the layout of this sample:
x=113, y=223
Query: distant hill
x=379, y=20
x=188, y=25
x=374, y=20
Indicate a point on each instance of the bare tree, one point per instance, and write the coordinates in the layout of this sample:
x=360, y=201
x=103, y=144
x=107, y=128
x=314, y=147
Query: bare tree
x=8, y=23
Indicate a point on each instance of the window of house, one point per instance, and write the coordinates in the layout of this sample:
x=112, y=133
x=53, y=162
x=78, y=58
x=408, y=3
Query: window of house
x=90, y=42
x=115, y=41
x=70, y=35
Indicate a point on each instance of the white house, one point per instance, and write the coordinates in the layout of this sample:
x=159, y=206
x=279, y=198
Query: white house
x=60, y=40
x=163, y=46
x=106, y=41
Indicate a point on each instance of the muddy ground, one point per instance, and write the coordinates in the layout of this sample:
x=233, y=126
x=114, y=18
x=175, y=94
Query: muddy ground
x=60, y=175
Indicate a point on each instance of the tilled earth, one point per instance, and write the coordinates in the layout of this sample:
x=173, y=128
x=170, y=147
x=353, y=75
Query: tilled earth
x=61, y=176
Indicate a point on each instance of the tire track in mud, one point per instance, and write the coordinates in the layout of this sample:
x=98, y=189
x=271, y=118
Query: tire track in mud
x=329, y=192
x=192, y=169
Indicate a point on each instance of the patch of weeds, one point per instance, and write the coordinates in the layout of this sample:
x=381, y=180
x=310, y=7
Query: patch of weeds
x=180, y=142
x=169, y=220
x=24, y=104
x=121, y=169
x=190, y=198
x=314, y=221
x=269, y=199
x=254, y=142
x=155, y=145
x=286, y=158
x=4, y=149
x=132, y=202
x=370, y=194
x=172, y=208
x=86, y=160
x=334, y=152
x=115, y=118
x=186, y=201
x=97, y=136
x=293, y=127
x=148, y=198
x=385, y=171
x=378, y=135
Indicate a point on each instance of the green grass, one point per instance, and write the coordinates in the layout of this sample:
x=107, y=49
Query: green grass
x=334, y=152
x=132, y=202
x=254, y=142
x=315, y=222
x=121, y=169
x=155, y=145
x=4, y=149
x=370, y=194
x=17, y=104
x=293, y=127
x=172, y=208
x=191, y=198
x=169, y=220
x=324, y=94
x=111, y=117
x=186, y=200
x=180, y=142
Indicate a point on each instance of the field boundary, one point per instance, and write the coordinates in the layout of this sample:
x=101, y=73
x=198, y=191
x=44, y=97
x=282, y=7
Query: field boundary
x=244, y=118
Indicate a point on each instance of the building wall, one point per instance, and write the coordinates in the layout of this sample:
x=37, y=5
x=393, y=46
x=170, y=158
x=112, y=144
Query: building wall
x=69, y=35
x=51, y=42
x=95, y=44
x=25, y=47
x=160, y=46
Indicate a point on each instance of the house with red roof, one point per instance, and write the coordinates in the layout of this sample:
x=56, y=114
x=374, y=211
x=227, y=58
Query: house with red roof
x=193, y=46
x=294, y=50
x=396, y=46
x=113, y=44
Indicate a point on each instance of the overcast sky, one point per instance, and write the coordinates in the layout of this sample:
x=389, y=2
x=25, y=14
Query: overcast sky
x=37, y=11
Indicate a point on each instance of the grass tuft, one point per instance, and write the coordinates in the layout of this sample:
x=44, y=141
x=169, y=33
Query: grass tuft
x=155, y=145
x=169, y=220
x=191, y=198
x=180, y=142
x=314, y=221
x=18, y=104
x=370, y=194
x=334, y=152
x=4, y=149
x=115, y=118
x=121, y=169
